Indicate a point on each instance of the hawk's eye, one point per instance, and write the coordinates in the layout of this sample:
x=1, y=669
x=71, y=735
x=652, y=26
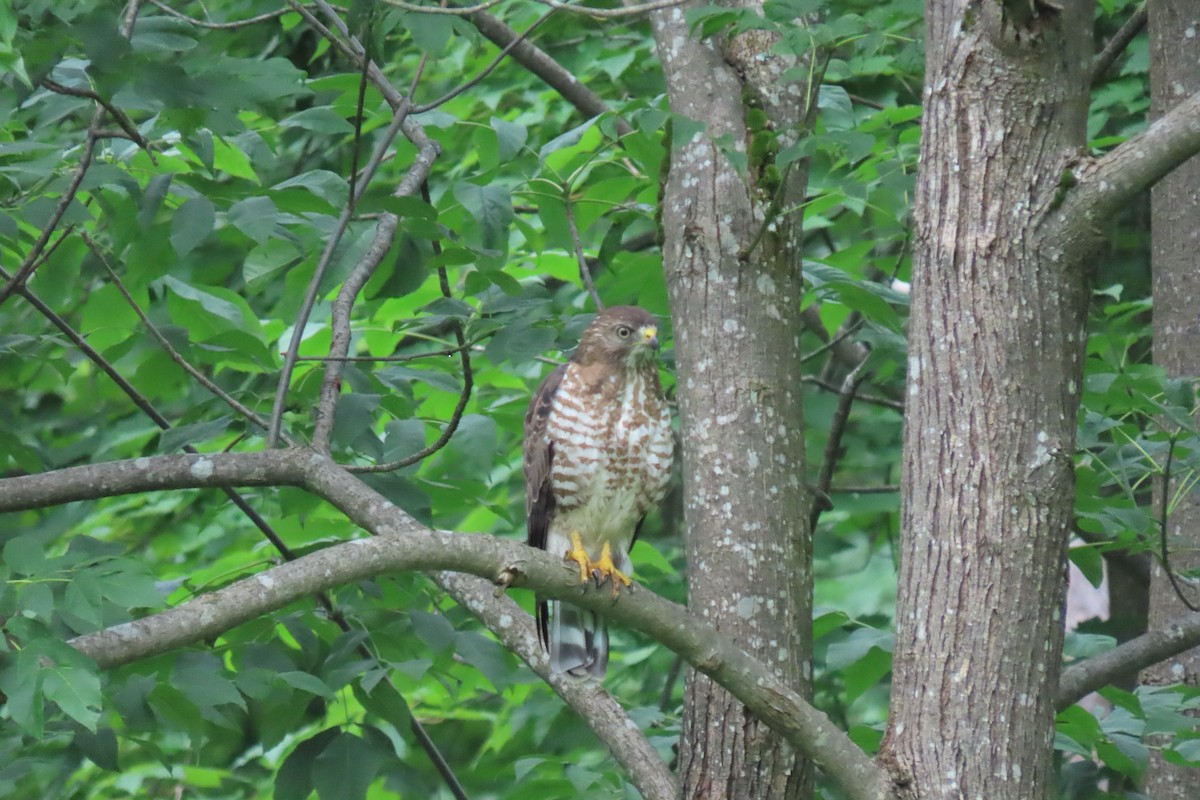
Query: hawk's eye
x=623, y=331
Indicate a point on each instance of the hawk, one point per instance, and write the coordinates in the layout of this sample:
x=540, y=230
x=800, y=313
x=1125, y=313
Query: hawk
x=598, y=451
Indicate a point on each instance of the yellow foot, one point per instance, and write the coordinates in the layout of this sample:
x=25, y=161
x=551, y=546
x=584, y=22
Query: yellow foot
x=605, y=569
x=579, y=555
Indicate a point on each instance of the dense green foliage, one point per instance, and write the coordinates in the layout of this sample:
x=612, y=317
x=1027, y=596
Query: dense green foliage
x=214, y=231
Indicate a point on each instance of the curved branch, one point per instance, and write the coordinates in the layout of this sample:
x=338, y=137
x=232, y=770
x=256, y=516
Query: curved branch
x=1126, y=659
x=152, y=474
x=1105, y=184
x=403, y=544
x=514, y=628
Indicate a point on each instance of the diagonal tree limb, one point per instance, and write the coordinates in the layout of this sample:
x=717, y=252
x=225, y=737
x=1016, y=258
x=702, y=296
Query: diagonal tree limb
x=1126, y=659
x=404, y=544
x=537, y=61
x=514, y=629
x=1094, y=189
x=1117, y=44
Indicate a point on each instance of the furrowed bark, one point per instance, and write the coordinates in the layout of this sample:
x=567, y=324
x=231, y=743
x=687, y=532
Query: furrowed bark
x=735, y=289
x=995, y=354
x=1175, y=241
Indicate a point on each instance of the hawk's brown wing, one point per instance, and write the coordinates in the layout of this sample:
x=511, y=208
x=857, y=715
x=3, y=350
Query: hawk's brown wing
x=539, y=493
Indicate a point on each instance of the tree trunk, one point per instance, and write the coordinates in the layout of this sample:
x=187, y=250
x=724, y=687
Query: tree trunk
x=1175, y=231
x=735, y=301
x=995, y=359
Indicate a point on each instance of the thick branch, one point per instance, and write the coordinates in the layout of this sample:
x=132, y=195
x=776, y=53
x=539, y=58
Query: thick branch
x=1107, y=183
x=113, y=478
x=404, y=544
x=588, y=699
x=1126, y=659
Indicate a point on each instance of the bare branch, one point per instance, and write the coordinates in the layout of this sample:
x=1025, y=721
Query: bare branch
x=585, y=272
x=884, y=402
x=151, y=474
x=1097, y=672
x=833, y=444
x=516, y=41
x=219, y=26
x=427, y=151
x=403, y=544
x=33, y=257
x=1104, y=185
x=514, y=628
x=174, y=354
x=464, y=354
x=123, y=120
x=1117, y=44
x=542, y=65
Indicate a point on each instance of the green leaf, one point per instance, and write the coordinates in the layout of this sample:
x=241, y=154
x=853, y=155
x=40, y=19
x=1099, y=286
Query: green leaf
x=320, y=119
x=345, y=768
x=519, y=342
x=191, y=224
x=75, y=689
x=100, y=747
x=294, y=780
x=200, y=677
x=21, y=682
x=207, y=299
x=306, y=682
x=491, y=206
x=255, y=216
x=198, y=433
x=510, y=137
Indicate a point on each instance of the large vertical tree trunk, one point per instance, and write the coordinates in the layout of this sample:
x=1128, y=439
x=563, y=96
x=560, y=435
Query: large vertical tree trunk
x=1175, y=229
x=735, y=304
x=995, y=353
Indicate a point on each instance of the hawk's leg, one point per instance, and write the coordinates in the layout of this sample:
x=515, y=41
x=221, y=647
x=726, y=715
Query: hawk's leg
x=579, y=555
x=605, y=569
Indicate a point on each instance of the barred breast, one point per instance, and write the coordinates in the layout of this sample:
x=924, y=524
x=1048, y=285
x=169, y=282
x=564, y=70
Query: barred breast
x=612, y=451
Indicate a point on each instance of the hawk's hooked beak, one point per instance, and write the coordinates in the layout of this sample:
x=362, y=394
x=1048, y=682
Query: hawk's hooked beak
x=649, y=336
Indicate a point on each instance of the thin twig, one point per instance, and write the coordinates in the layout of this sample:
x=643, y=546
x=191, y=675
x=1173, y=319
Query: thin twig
x=122, y=119
x=883, y=489
x=464, y=354
x=168, y=348
x=1163, y=515
x=833, y=444
x=1117, y=44
x=140, y=401
x=219, y=26
x=874, y=400
x=385, y=235
x=508, y=48
x=541, y=64
x=585, y=274
x=449, y=351
x=32, y=258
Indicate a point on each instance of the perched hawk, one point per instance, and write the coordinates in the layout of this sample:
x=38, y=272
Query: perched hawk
x=598, y=451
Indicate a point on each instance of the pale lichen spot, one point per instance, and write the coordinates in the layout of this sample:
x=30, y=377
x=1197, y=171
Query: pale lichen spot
x=202, y=469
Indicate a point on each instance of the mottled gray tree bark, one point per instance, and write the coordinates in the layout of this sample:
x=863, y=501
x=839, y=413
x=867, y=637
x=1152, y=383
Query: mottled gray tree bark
x=1175, y=248
x=995, y=353
x=735, y=288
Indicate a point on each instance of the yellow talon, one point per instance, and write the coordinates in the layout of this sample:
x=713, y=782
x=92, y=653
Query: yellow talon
x=579, y=555
x=605, y=569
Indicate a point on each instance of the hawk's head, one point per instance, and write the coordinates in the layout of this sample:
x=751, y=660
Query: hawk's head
x=622, y=334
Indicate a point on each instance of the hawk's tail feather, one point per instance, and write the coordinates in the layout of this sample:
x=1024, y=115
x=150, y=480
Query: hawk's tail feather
x=578, y=641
